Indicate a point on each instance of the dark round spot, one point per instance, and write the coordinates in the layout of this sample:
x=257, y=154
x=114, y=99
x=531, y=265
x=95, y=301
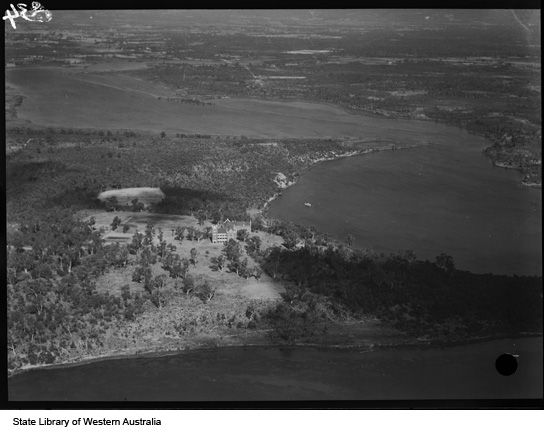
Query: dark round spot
x=506, y=364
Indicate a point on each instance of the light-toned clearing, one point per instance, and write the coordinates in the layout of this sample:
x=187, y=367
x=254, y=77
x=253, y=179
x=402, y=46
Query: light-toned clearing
x=407, y=93
x=307, y=51
x=224, y=282
x=285, y=77
x=146, y=195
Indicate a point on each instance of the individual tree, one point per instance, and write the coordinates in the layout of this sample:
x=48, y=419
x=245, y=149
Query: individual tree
x=289, y=239
x=116, y=222
x=201, y=216
x=179, y=268
x=188, y=284
x=242, y=235
x=142, y=273
x=148, y=255
x=162, y=249
x=137, y=243
x=190, y=234
x=217, y=263
x=258, y=223
x=232, y=250
x=349, y=239
x=148, y=280
x=253, y=245
x=136, y=205
x=149, y=234
x=126, y=227
x=158, y=281
x=197, y=235
x=157, y=298
x=205, y=292
x=180, y=233
x=116, y=255
x=216, y=216
x=242, y=269
x=194, y=255
x=168, y=260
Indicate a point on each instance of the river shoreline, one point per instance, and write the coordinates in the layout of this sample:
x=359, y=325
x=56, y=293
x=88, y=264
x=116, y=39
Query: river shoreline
x=260, y=339
x=155, y=352
x=335, y=156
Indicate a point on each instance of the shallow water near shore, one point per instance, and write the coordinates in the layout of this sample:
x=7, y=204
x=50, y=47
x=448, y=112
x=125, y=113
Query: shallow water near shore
x=444, y=197
x=296, y=373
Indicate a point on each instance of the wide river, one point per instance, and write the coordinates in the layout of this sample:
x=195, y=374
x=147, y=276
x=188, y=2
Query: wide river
x=441, y=197
x=444, y=197
x=261, y=373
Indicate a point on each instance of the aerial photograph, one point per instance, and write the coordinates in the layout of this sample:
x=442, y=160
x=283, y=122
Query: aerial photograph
x=273, y=205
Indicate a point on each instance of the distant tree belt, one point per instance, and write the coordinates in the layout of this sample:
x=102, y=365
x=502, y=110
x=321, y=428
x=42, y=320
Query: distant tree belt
x=486, y=104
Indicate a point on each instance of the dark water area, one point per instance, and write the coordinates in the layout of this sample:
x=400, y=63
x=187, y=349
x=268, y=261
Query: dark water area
x=267, y=373
x=445, y=197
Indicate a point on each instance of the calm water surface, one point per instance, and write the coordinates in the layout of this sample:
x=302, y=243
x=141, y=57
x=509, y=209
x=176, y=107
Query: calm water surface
x=442, y=197
x=445, y=197
x=460, y=372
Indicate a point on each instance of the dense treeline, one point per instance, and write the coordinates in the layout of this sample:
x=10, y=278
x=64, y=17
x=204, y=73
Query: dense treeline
x=421, y=297
x=55, y=311
x=221, y=176
x=53, y=306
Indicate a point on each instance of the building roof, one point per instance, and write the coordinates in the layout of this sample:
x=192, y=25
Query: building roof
x=229, y=225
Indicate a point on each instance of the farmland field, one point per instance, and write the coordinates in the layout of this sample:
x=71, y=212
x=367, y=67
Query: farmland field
x=54, y=98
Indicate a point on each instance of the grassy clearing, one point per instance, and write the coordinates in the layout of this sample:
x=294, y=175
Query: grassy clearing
x=145, y=195
x=225, y=283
